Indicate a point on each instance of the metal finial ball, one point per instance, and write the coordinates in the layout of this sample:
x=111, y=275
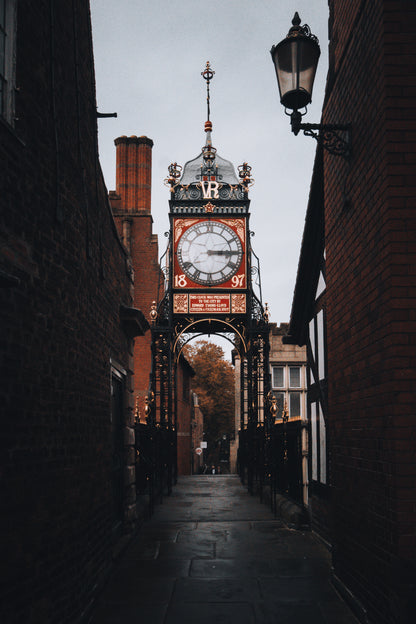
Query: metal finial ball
x=208, y=73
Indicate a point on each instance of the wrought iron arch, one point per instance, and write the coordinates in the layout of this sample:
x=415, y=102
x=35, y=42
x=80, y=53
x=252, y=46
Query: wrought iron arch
x=233, y=328
x=195, y=336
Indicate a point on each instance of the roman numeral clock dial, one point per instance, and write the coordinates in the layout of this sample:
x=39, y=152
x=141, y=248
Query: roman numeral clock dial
x=209, y=253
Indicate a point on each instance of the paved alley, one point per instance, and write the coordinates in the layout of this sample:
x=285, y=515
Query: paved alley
x=213, y=554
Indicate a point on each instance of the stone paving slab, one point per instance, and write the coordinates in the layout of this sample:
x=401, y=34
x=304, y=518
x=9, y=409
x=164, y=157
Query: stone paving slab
x=211, y=613
x=213, y=554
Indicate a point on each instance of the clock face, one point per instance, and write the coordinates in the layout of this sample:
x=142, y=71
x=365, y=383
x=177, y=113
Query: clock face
x=209, y=252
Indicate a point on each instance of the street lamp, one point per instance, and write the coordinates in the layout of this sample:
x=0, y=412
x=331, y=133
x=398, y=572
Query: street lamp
x=295, y=60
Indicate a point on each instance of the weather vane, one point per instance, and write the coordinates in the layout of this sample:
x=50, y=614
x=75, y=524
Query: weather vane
x=208, y=75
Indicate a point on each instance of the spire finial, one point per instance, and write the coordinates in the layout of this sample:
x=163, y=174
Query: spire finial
x=296, y=19
x=208, y=75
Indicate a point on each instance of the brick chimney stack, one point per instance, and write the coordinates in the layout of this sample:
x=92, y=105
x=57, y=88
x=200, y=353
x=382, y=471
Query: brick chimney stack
x=131, y=206
x=134, y=172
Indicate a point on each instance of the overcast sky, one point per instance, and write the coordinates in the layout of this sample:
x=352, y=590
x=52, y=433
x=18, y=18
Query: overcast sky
x=149, y=55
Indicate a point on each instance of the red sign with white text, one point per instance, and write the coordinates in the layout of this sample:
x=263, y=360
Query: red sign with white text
x=209, y=304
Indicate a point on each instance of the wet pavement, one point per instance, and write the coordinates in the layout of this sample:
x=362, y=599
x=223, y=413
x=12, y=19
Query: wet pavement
x=213, y=554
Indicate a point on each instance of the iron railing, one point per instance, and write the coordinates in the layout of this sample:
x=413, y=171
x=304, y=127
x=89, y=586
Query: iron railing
x=270, y=460
x=156, y=463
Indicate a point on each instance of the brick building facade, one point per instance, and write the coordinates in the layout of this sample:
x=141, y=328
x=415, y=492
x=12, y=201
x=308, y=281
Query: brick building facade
x=68, y=323
x=185, y=413
x=288, y=373
x=369, y=227
x=131, y=206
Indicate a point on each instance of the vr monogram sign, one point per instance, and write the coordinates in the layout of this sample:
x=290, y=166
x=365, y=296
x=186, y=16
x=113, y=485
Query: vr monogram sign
x=210, y=189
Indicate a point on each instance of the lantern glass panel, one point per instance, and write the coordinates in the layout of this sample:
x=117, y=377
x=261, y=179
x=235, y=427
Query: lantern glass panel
x=296, y=60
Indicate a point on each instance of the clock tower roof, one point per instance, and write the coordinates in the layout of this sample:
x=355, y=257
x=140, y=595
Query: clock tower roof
x=224, y=170
x=208, y=176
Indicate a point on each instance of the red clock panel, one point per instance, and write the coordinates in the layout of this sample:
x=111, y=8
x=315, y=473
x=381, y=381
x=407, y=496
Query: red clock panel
x=209, y=252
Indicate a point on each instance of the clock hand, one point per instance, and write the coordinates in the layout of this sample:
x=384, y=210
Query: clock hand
x=213, y=252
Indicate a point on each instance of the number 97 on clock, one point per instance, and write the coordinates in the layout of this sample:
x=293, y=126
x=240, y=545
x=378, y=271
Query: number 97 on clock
x=237, y=281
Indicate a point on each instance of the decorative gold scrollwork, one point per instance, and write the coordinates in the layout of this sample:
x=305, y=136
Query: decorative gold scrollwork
x=244, y=173
x=174, y=173
x=285, y=414
x=153, y=313
x=148, y=403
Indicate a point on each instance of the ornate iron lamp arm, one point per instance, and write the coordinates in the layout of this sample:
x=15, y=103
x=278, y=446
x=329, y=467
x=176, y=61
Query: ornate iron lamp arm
x=335, y=138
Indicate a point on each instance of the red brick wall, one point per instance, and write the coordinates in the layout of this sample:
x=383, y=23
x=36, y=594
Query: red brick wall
x=400, y=118
x=148, y=283
x=131, y=204
x=371, y=295
x=60, y=325
x=183, y=429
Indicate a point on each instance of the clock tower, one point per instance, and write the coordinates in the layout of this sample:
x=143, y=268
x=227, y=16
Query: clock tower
x=210, y=263
x=212, y=283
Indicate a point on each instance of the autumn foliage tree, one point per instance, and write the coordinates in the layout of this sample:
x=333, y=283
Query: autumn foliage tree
x=214, y=385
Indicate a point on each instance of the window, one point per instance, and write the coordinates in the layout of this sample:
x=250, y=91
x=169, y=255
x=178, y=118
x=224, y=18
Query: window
x=7, y=58
x=322, y=449
x=278, y=377
x=294, y=405
x=321, y=344
x=312, y=339
x=314, y=444
x=318, y=435
x=294, y=377
x=321, y=286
